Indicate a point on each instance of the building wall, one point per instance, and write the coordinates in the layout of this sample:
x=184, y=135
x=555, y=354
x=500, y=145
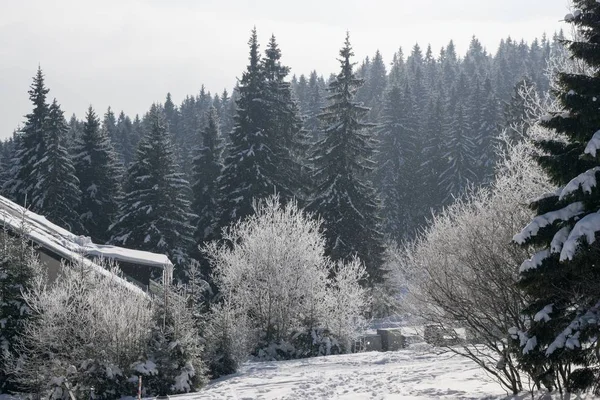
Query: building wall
x=52, y=264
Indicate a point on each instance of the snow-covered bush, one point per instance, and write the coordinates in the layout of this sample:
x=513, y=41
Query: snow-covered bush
x=226, y=337
x=346, y=301
x=19, y=267
x=175, y=348
x=463, y=269
x=86, y=330
x=272, y=268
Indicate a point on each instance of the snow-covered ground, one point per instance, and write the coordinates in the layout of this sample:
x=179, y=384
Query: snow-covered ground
x=407, y=374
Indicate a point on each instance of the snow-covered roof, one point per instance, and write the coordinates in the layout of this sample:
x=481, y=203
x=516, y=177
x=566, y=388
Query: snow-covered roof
x=68, y=245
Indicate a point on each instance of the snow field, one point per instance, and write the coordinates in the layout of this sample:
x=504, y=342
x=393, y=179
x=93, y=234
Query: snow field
x=418, y=374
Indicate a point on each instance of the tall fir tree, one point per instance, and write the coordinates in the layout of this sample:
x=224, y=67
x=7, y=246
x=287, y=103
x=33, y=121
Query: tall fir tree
x=515, y=113
x=486, y=129
x=459, y=155
x=56, y=194
x=285, y=132
x=30, y=146
x=126, y=139
x=99, y=173
x=561, y=280
x=226, y=114
x=315, y=101
x=207, y=168
x=109, y=126
x=375, y=83
x=391, y=159
x=432, y=163
x=250, y=166
x=155, y=212
x=343, y=166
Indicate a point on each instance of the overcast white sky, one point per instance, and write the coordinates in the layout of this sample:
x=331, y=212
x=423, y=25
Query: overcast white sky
x=130, y=53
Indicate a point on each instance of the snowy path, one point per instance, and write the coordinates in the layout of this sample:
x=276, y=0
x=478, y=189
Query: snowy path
x=407, y=374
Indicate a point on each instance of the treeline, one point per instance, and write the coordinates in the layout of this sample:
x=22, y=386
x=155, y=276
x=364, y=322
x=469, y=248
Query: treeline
x=423, y=131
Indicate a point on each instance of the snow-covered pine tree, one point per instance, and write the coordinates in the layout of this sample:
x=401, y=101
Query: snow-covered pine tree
x=514, y=109
x=391, y=158
x=250, y=165
x=99, y=174
x=155, y=212
x=458, y=148
x=459, y=155
x=8, y=150
x=171, y=114
x=75, y=129
x=415, y=73
x=431, y=162
x=175, y=347
x=126, y=140
x=285, y=131
x=109, y=125
x=485, y=128
x=206, y=170
x=475, y=61
x=397, y=176
x=375, y=84
x=561, y=280
x=56, y=194
x=343, y=167
x=203, y=103
x=315, y=101
x=226, y=114
x=185, y=134
x=30, y=146
x=398, y=69
x=300, y=88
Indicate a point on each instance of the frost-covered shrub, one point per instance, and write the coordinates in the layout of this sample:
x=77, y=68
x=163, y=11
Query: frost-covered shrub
x=87, y=330
x=346, y=302
x=316, y=342
x=175, y=348
x=272, y=269
x=19, y=267
x=227, y=338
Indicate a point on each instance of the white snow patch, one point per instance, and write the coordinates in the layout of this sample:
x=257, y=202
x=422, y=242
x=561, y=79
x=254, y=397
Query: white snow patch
x=407, y=374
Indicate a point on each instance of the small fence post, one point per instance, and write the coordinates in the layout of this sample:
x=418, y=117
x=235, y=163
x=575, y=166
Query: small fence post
x=139, y=396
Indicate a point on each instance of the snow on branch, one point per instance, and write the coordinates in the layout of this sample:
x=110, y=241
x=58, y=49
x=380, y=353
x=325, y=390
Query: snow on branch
x=539, y=222
x=569, y=337
x=585, y=181
x=593, y=145
x=535, y=261
x=586, y=227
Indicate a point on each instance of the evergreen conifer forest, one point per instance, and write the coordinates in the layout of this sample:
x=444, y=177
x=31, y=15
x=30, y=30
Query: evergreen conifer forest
x=449, y=198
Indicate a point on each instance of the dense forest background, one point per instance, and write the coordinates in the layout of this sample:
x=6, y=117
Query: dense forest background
x=429, y=120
